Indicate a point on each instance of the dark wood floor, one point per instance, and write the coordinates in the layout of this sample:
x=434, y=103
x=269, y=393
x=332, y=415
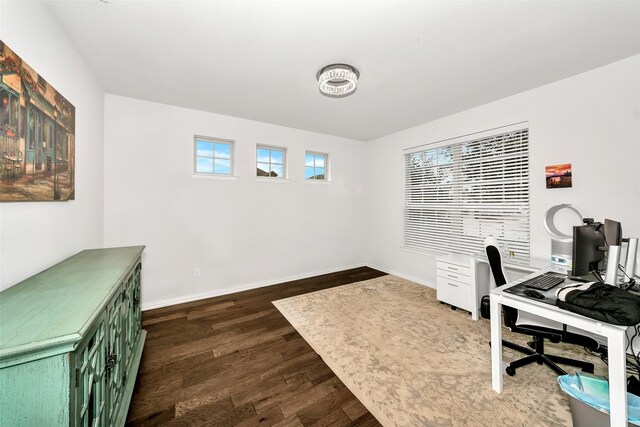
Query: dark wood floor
x=235, y=360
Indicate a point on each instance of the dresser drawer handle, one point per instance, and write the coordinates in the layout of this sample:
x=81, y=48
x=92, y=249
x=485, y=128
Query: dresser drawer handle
x=452, y=268
x=451, y=284
x=452, y=276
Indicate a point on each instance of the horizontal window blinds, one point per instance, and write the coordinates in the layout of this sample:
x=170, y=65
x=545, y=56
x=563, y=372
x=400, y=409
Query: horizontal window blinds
x=456, y=195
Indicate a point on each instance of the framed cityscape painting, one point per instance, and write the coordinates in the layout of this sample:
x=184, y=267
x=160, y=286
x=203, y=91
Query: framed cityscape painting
x=559, y=176
x=37, y=135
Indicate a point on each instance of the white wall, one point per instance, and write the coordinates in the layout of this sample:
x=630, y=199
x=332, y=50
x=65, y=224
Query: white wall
x=591, y=120
x=241, y=232
x=275, y=231
x=35, y=235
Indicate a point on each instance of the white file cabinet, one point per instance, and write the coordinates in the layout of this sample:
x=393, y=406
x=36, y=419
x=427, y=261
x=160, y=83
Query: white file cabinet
x=456, y=282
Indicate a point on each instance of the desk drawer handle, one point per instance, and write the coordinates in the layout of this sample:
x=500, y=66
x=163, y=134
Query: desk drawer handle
x=452, y=268
x=452, y=276
x=451, y=284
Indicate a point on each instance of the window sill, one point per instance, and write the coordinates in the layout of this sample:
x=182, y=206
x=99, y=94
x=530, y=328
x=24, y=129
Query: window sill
x=317, y=181
x=278, y=180
x=220, y=177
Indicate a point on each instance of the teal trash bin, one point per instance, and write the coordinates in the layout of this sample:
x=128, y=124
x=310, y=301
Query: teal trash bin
x=589, y=401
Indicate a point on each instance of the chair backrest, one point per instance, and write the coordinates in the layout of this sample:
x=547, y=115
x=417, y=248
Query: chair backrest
x=494, y=256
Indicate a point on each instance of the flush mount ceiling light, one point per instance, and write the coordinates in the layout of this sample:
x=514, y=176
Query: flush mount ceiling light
x=337, y=80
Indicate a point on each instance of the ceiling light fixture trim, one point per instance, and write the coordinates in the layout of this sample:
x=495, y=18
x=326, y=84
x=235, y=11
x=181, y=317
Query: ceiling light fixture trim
x=337, y=80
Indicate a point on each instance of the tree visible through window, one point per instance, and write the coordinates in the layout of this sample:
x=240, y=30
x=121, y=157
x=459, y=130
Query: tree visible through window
x=270, y=161
x=315, y=166
x=458, y=194
x=213, y=156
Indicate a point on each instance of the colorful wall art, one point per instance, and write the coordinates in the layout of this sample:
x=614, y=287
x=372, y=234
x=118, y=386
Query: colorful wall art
x=37, y=135
x=559, y=176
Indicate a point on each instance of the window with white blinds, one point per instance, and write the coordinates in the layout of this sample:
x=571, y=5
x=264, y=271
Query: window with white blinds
x=456, y=195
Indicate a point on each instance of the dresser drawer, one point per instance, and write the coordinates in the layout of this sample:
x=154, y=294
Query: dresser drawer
x=453, y=275
x=455, y=293
x=454, y=268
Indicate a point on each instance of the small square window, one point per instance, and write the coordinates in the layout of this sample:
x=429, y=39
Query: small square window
x=271, y=161
x=316, y=165
x=213, y=156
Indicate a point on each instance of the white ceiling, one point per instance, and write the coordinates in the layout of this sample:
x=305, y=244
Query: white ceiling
x=419, y=60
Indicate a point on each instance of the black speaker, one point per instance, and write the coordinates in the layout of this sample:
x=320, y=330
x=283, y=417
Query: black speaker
x=485, y=309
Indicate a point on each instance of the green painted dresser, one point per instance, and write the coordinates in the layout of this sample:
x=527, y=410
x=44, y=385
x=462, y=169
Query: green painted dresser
x=71, y=341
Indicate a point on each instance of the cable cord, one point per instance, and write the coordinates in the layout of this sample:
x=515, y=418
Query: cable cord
x=631, y=282
x=636, y=356
x=633, y=359
x=597, y=275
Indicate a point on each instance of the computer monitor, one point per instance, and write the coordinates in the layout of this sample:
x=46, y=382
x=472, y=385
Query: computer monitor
x=588, y=241
x=612, y=232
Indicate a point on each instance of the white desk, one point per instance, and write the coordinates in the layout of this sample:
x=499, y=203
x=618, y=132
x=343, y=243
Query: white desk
x=615, y=335
x=534, y=264
x=462, y=280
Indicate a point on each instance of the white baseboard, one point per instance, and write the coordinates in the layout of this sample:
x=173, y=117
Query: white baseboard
x=226, y=291
x=404, y=276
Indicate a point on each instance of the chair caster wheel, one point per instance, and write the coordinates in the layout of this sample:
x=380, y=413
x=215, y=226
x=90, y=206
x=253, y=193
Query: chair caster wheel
x=453, y=307
x=510, y=371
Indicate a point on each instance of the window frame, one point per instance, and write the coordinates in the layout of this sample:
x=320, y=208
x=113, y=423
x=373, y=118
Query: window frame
x=285, y=172
x=326, y=166
x=214, y=140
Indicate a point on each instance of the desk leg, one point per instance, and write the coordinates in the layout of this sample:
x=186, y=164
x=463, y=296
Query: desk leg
x=618, y=378
x=496, y=344
x=474, y=290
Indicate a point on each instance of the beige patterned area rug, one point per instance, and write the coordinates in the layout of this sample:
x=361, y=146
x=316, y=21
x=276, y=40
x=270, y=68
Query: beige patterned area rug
x=415, y=362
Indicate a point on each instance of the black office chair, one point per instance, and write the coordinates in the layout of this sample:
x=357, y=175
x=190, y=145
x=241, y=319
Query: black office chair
x=536, y=351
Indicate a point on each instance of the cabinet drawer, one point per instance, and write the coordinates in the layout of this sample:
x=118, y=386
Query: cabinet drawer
x=455, y=268
x=452, y=275
x=454, y=293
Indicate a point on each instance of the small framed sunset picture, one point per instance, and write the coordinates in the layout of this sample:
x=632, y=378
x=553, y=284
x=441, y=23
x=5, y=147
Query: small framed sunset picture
x=559, y=176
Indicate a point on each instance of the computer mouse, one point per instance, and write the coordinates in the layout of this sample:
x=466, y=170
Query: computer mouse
x=533, y=294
